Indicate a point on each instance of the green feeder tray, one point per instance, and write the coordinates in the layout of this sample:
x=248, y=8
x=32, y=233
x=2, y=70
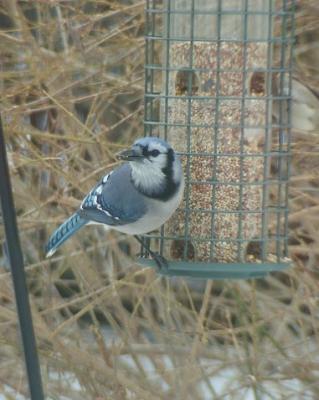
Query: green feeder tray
x=216, y=271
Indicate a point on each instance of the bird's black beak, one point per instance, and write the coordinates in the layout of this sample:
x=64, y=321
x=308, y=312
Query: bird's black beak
x=133, y=154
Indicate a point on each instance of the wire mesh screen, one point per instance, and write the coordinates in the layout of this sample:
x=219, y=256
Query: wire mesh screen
x=215, y=72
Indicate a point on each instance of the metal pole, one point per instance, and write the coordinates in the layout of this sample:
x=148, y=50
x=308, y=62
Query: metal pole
x=18, y=276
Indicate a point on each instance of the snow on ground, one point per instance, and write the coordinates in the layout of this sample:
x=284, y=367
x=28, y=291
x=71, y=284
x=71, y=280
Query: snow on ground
x=224, y=381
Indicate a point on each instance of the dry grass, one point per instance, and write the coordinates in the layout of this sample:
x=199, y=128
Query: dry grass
x=72, y=87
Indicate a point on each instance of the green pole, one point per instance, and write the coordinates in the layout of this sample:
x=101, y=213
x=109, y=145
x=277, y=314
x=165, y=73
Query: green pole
x=18, y=276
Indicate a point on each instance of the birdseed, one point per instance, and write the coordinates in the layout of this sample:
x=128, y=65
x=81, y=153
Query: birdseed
x=224, y=183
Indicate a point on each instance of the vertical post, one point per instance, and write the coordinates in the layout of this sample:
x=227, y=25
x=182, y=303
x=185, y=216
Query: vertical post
x=18, y=276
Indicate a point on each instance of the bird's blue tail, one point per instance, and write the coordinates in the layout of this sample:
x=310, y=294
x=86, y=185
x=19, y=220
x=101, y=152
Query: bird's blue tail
x=64, y=231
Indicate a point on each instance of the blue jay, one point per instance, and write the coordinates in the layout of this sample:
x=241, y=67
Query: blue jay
x=136, y=198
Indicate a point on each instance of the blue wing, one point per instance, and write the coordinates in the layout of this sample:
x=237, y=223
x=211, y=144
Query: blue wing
x=114, y=200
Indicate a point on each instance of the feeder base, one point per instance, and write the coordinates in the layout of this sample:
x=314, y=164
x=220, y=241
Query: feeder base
x=217, y=271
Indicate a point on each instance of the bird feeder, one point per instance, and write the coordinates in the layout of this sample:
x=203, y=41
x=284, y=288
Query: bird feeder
x=214, y=71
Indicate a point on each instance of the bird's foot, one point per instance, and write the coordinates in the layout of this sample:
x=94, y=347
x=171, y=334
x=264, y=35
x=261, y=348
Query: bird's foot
x=159, y=260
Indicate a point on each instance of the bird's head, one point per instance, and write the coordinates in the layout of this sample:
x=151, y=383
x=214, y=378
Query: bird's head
x=156, y=168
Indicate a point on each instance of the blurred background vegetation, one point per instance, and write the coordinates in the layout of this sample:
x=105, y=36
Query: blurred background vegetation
x=71, y=78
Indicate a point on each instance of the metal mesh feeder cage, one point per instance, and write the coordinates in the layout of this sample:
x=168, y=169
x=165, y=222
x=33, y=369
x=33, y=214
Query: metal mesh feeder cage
x=214, y=72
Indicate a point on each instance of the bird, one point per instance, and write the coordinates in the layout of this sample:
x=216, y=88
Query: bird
x=136, y=198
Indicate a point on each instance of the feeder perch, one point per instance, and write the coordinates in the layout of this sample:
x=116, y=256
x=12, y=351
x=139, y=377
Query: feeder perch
x=210, y=73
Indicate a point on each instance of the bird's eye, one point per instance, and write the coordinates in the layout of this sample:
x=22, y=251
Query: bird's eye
x=154, y=153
